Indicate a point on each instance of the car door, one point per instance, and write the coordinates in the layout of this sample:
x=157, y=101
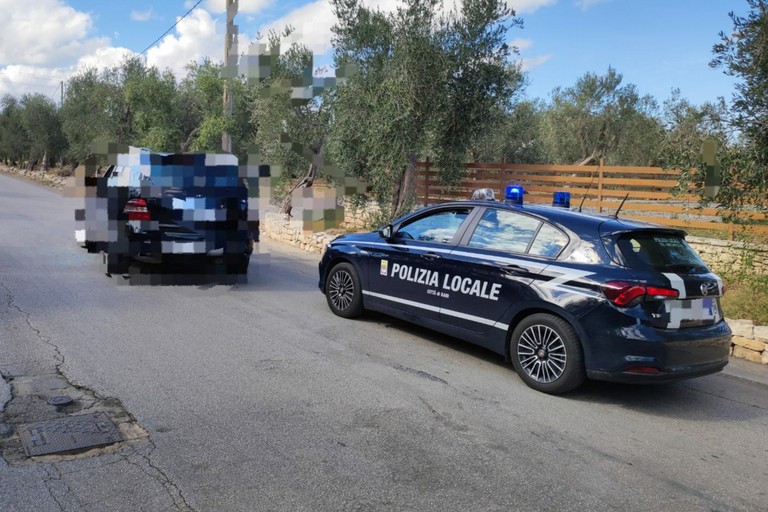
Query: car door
x=491, y=270
x=404, y=271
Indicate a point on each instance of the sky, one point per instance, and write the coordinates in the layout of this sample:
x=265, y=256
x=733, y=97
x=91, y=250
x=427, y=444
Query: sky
x=657, y=45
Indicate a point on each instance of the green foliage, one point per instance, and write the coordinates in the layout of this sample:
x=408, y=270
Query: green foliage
x=14, y=143
x=151, y=98
x=94, y=110
x=600, y=118
x=515, y=136
x=686, y=127
x=426, y=85
x=40, y=122
x=746, y=297
x=30, y=129
x=293, y=127
x=743, y=53
x=200, y=116
x=142, y=106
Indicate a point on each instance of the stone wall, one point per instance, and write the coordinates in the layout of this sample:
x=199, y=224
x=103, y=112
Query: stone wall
x=291, y=230
x=749, y=341
x=278, y=227
x=733, y=256
x=50, y=178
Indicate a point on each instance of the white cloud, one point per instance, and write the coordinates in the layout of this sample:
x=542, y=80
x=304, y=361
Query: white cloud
x=244, y=6
x=195, y=37
x=45, y=42
x=106, y=57
x=586, y=4
x=19, y=80
x=143, y=15
x=312, y=21
x=521, y=44
x=531, y=6
x=534, y=62
x=43, y=32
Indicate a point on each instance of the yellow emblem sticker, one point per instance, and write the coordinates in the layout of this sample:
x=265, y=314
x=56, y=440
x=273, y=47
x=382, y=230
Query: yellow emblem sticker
x=384, y=267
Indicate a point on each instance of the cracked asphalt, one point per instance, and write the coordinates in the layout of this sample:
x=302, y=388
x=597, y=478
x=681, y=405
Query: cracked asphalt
x=255, y=397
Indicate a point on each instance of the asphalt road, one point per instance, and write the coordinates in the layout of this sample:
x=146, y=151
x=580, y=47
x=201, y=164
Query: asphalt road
x=255, y=397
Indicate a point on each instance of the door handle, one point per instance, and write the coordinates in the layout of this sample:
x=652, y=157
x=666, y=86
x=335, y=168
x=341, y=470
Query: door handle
x=430, y=256
x=514, y=269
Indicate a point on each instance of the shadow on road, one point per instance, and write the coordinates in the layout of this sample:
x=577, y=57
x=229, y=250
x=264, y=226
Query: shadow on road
x=717, y=397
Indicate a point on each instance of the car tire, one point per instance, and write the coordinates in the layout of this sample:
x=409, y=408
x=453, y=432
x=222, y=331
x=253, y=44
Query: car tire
x=546, y=354
x=244, y=261
x=343, y=291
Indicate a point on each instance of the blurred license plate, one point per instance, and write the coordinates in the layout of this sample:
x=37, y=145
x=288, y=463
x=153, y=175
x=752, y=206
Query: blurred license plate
x=710, y=307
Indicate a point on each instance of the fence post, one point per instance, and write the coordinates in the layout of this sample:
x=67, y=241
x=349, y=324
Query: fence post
x=502, y=176
x=426, y=182
x=600, y=186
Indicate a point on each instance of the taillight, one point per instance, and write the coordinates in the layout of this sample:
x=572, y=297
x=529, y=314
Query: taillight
x=136, y=209
x=658, y=293
x=626, y=295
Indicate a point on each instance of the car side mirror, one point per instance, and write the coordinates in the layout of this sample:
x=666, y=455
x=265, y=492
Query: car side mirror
x=386, y=232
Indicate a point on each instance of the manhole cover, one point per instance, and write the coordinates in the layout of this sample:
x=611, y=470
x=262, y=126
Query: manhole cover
x=67, y=434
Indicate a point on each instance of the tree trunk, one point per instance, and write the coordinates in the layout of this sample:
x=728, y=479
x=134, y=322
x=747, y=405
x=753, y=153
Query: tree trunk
x=45, y=161
x=404, y=191
x=306, y=182
x=185, y=145
x=588, y=159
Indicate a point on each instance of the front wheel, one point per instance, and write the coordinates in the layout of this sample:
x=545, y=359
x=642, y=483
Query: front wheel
x=343, y=292
x=546, y=353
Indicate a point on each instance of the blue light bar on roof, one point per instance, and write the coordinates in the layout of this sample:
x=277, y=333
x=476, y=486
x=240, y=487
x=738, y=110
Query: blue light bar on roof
x=561, y=199
x=514, y=194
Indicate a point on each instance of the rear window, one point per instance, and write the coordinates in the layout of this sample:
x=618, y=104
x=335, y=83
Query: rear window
x=663, y=252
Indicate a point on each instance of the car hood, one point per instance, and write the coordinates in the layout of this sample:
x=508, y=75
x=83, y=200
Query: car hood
x=351, y=238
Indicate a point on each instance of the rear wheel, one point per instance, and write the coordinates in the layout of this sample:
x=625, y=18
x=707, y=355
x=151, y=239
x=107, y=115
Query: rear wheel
x=546, y=353
x=116, y=263
x=343, y=292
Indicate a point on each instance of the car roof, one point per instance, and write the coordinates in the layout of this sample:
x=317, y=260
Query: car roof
x=570, y=218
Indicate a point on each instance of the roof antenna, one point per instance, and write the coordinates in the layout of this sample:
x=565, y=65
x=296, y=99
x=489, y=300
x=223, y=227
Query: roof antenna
x=616, y=215
x=587, y=192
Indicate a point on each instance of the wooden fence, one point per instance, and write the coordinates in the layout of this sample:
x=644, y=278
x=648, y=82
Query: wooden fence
x=651, y=192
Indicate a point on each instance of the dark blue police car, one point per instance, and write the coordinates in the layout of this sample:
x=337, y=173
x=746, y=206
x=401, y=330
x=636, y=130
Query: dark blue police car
x=564, y=295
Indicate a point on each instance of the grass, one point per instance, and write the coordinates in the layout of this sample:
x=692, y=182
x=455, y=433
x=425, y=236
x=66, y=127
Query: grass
x=746, y=297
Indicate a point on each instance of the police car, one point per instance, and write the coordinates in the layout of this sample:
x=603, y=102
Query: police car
x=563, y=295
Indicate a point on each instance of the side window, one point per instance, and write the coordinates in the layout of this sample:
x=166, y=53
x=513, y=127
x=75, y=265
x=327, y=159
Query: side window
x=502, y=230
x=549, y=242
x=438, y=227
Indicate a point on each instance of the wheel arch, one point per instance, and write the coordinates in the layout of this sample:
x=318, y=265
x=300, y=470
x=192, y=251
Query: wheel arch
x=545, y=308
x=343, y=258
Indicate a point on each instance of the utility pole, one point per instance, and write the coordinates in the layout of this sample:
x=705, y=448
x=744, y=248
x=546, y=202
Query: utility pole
x=230, y=68
x=61, y=103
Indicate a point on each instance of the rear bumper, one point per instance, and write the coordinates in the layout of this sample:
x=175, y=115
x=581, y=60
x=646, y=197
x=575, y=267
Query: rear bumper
x=620, y=348
x=667, y=375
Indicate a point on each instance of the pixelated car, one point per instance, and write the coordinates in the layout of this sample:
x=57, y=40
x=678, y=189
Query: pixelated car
x=563, y=295
x=181, y=209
